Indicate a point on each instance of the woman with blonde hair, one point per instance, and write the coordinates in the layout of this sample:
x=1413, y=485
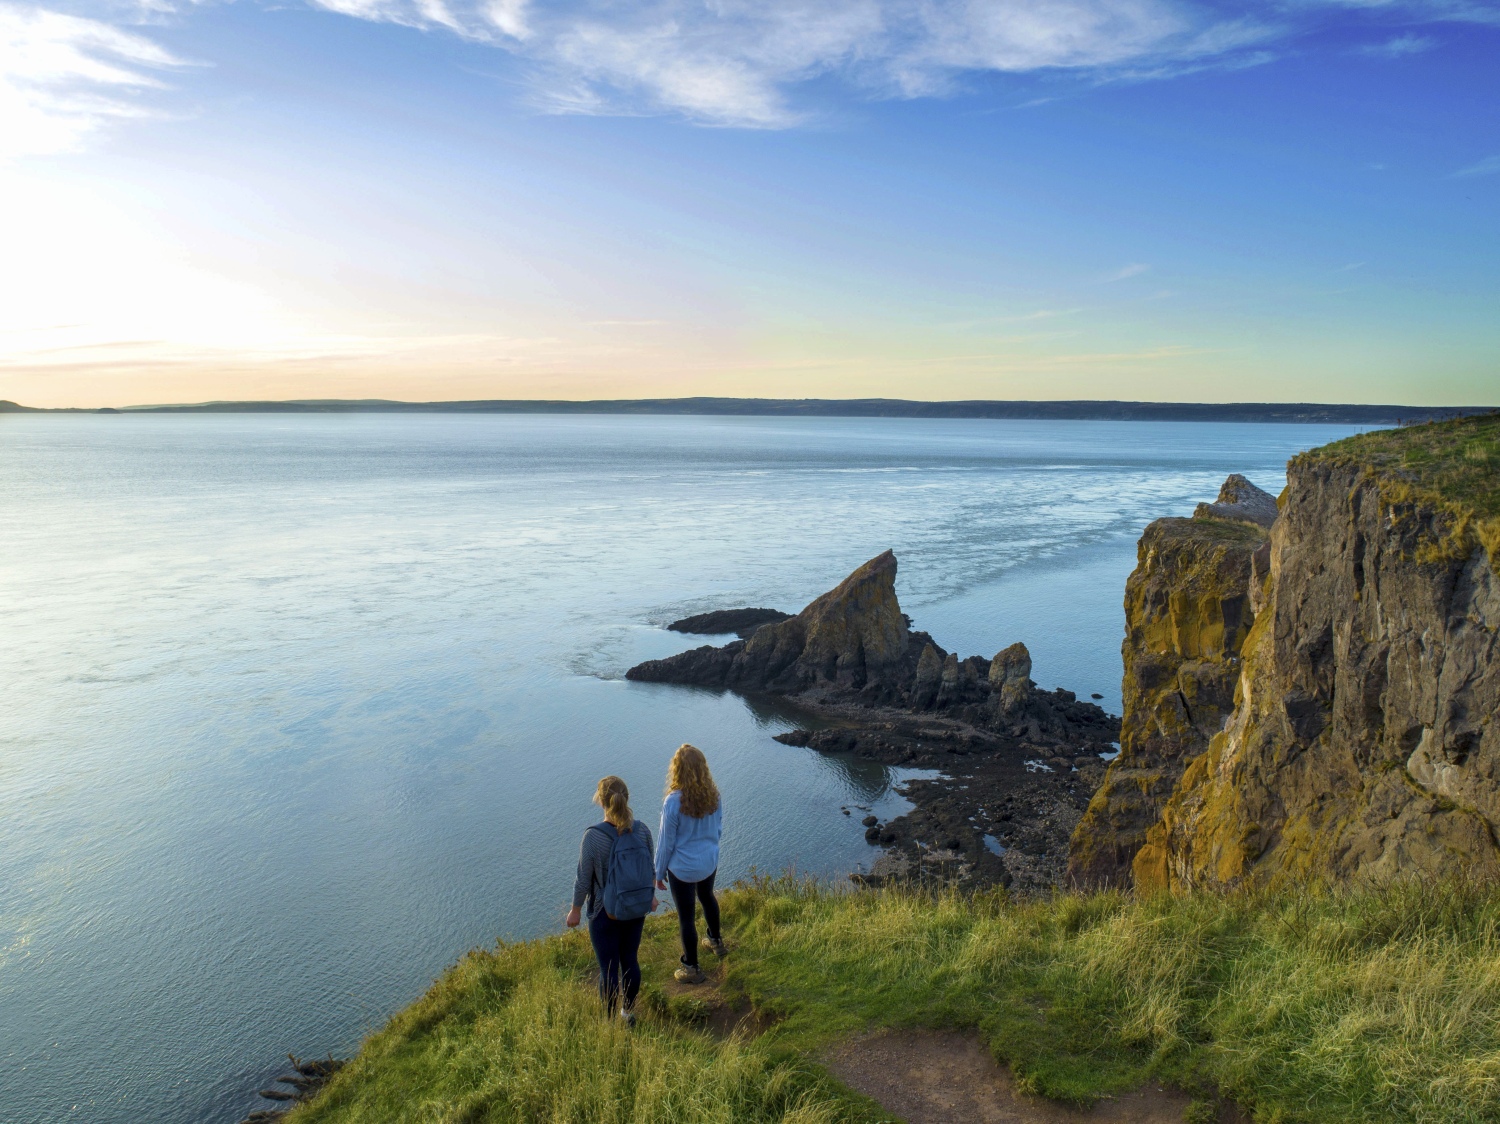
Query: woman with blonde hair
x=692, y=819
x=615, y=880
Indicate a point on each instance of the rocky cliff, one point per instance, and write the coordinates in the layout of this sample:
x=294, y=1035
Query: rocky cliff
x=1362, y=741
x=1187, y=612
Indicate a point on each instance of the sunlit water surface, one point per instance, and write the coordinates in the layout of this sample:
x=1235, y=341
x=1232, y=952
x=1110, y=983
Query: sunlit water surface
x=297, y=709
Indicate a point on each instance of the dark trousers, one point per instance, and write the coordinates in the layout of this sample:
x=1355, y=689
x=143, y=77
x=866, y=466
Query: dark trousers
x=617, y=944
x=683, y=894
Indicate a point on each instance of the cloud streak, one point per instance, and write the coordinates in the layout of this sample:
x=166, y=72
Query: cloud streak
x=739, y=62
x=62, y=77
x=1489, y=166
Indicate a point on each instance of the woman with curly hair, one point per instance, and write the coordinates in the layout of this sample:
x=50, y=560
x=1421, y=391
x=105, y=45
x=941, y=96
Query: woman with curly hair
x=692, y=820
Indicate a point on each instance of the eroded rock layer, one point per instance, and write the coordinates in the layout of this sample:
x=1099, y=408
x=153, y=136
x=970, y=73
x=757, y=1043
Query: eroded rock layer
x=1187, y=613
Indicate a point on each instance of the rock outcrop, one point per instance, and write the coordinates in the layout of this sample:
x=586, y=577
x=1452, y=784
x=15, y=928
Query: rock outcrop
x=1240, y=500
x=1187, y=613
x=854, y=646
x=851, y=639
x=1362, y=743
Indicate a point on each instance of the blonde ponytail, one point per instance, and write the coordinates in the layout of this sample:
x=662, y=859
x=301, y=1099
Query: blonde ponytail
x=614, y=798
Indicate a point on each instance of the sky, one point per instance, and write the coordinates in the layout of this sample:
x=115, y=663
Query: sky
x=933, y=199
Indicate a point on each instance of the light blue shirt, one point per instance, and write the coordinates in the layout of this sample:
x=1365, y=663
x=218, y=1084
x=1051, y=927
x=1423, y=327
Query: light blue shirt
x=686, y=846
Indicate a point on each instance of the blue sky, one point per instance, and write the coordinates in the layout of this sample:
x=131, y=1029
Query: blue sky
x=383, y=198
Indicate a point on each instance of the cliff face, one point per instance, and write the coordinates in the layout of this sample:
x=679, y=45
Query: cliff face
x=1362, y=743
x=1187, y=612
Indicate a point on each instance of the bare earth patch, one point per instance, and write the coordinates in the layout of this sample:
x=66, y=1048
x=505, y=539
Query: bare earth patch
x=944, y=1077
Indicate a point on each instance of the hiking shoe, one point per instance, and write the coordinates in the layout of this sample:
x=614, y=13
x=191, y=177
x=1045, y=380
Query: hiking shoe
x=714, y=945
x=628, y=1017
x=689, y=974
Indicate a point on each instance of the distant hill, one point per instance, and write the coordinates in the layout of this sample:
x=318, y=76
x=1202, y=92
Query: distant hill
x=850, y=408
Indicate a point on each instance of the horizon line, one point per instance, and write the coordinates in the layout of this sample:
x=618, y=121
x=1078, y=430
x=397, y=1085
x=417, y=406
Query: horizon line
x=1018, y=409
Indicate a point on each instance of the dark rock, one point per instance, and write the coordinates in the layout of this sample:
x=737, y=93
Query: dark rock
x=869, y=821
x=1240, y=500
x=851, y=638
x=1010, y=679
x=1096, y=695
x=742, y=621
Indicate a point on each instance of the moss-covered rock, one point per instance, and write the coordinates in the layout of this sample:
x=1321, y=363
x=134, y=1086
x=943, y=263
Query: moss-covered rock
x=1187, y=612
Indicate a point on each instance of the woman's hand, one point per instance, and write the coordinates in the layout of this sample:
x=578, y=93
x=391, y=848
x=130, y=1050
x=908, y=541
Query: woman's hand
x=574, y=917
x=660, y=885
x=654, y=903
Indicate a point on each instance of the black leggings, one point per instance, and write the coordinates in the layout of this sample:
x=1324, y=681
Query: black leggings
x=617, y=944
x=683, y=894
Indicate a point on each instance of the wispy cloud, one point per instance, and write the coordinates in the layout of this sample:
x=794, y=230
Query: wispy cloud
x=1489, y=166
x=1135, y=269
x=1400, y=46
x=738, y=62
x=63, y=76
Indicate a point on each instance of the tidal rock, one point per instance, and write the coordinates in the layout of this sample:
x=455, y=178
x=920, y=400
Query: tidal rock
x=1242, y=501
x=929, y=678
x=1010, y=679
x=850, y=638
x=742, y=621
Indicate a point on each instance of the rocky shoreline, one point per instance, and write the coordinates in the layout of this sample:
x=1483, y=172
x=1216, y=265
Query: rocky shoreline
x=1016, y=765
x=999, y=812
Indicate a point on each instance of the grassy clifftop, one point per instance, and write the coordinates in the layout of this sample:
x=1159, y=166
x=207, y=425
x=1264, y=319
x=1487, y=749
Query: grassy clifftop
x=1354, y=1006
x=1455, y=462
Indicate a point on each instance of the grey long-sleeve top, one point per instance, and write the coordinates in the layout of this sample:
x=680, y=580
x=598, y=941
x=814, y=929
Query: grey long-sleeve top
x=593, y=866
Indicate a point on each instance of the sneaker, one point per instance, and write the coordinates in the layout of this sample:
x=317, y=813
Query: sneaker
x=689, y=974
x=628, y=1017
x=714, y=945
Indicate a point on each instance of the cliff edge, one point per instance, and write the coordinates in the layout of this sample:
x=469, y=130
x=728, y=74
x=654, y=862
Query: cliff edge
x=1361, y=741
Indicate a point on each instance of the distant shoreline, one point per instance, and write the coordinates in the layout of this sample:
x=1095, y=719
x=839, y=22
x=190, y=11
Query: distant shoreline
x=1079, y=410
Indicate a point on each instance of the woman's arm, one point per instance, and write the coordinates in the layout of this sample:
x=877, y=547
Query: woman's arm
x=588, y=867
x=670, y=811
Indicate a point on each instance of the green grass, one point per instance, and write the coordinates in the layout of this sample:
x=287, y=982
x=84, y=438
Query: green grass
x=1338, y=1006
x=1456, y=461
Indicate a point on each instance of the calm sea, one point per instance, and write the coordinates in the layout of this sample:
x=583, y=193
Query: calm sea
x=297, y=709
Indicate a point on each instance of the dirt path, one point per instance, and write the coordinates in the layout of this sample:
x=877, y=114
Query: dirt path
x=944, y=1077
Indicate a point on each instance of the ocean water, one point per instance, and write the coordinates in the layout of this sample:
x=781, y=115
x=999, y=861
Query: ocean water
x=297, y=709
